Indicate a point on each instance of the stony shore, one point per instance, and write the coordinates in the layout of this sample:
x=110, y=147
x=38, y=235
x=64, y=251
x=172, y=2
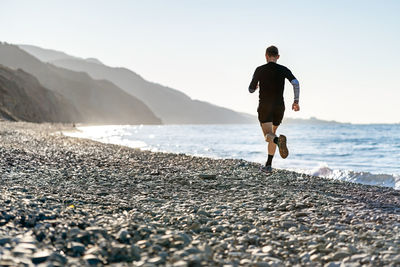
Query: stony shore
x=74, y=202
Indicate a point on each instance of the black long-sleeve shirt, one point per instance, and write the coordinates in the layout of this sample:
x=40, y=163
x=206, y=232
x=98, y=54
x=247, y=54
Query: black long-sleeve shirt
x=271, y=80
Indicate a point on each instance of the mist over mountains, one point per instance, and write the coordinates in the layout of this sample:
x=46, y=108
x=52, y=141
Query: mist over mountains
x=170, y=105
x=97, y=101
x=24, y=98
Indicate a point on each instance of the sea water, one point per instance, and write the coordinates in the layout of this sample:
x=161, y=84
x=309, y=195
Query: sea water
x=367, y=154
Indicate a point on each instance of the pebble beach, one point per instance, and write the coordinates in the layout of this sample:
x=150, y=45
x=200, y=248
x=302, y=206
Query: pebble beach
x=74, y=202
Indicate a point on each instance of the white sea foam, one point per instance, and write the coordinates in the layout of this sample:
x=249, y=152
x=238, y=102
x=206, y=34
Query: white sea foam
x=389, y=180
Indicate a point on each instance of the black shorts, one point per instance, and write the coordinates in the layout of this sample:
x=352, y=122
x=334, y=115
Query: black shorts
x=270, y=113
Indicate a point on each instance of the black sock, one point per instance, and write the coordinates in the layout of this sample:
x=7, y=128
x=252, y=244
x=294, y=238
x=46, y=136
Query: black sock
x=276, y=140
x=269, y=161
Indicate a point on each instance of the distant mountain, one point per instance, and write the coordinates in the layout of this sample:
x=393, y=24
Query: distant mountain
x=98, y=101
x=172, y=106
x=311, y=120
x=93, y=60
x=44, y=55
x=22, y=97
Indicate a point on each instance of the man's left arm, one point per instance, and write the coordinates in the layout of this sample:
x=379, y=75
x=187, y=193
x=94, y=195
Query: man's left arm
x=296, y=89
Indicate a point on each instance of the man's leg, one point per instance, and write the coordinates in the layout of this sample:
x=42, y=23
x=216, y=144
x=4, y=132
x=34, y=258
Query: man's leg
x=269, y=132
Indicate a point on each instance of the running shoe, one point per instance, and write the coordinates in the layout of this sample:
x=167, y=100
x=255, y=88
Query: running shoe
x=266, y=169
x=283, y=150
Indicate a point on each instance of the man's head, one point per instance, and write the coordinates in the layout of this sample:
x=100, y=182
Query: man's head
x=272, y=53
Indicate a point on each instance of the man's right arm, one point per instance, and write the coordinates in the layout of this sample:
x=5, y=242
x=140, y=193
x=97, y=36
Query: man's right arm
x=254, y=82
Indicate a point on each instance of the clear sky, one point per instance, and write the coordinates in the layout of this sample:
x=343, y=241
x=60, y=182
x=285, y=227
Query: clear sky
x=344, y=53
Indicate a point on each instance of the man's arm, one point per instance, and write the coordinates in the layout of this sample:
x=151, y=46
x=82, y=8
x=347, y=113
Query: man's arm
x=254, y=82
x=296, y=89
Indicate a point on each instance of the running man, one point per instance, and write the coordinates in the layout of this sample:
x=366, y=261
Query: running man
x=270, y=78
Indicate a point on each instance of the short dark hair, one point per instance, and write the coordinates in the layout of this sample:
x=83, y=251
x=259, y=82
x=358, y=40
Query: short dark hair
x=272, y=51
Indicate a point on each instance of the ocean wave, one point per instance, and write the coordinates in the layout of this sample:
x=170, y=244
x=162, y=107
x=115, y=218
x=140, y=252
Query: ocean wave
x=389, y=180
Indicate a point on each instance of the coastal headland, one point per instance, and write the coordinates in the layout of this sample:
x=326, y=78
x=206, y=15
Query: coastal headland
x=73, y=202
